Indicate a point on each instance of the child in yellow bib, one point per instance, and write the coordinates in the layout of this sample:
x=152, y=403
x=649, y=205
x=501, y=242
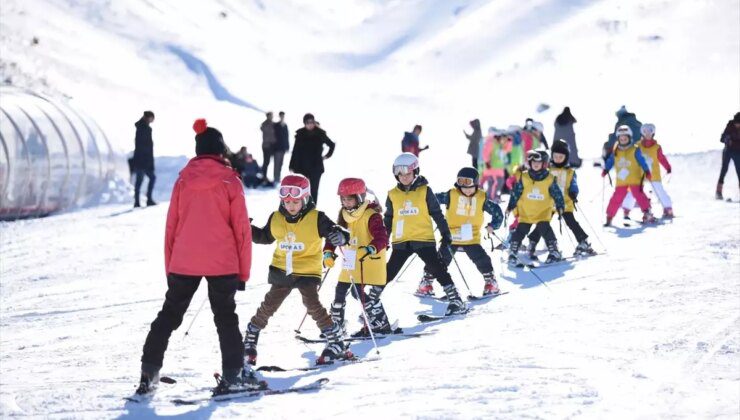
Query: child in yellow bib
x=409, y=210
x=566, y=181
x=533, y=197
x=364, y=261
x=298, y=229
x=466, y=204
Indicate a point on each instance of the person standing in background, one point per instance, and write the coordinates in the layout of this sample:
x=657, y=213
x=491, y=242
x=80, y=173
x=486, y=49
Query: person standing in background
x=143, y=160
x=282, y=144
x=731, y=139
x=474, y=139
x=308, y=153
x=564, y=130
x=410, y=142
x=268, y=146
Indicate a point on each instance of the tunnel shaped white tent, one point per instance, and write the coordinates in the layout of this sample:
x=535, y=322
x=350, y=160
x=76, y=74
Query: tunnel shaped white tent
x=53, y=157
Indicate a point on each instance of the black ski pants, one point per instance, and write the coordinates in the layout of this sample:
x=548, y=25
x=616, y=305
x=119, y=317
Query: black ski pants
x=180, y=291
x=727, y=155
x=571, y=222
x=432, y=261
x=140, y=180
x=475, y=252
x=543, y=228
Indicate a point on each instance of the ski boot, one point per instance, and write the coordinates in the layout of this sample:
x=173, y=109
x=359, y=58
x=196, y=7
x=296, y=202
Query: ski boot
x=251, y=337
x=554, y=255
x=425, y=286
x=531, y=249
x=626, y=214
x=491, y=285
x=337, y=316
x=456, y=305
x=513, y=251
x=149, y=379
x=335, y=348
x=584, y=248
x=718, y=193
x=608, y=221
x=237, y=380
x=648, y=217
x=377, y=319
x=668, y=213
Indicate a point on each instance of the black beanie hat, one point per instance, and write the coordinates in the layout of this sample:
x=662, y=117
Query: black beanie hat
x=736, y=120
x=308, y=117
x=561, y=146
x=208, y=140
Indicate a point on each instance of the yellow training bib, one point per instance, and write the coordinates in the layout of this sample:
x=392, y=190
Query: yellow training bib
x=411, y=219
x=374, y=266
x=535, y=204
x=563, y=177
x=465, y=216
x=299, y=246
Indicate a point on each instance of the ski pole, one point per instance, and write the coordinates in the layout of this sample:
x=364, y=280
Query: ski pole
x=470, y=293
x=298, y=330
x=591, y=226
x=364, y=314
x=603, y=191
x=192, y=321
x=521, y=262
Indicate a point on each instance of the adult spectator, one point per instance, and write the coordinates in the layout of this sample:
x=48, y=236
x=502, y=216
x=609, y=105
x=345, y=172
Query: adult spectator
x=282, y=145
x=308, y=153
x=731, y=139
x=143, y=160
x=410, y=142
x=564, y=130
x=268, y=146
x=474, y=140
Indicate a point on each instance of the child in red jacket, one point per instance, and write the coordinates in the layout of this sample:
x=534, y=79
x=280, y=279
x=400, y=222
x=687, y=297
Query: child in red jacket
x=207, y=234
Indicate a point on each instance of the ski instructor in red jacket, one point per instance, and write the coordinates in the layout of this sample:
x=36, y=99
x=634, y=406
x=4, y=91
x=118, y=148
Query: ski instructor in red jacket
x=207, y=235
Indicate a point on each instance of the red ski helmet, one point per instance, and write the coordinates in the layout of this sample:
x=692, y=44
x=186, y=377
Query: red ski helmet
x=295, y=186
x=355, y=187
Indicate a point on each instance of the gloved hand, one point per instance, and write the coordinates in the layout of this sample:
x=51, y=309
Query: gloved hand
x=338, y=236
x=668, y=171
x=368, y=250
x=242, y=286
x=490, y=229
x=603, y=173
x=649, y=176
x=560, y=214
x=329, y=259
x=573, y=196
x=446, y=243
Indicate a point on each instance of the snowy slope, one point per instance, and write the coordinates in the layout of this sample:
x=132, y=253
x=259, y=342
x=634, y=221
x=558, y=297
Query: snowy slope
x=649, y=330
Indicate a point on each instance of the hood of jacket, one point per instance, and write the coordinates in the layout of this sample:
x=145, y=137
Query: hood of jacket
x=205, y=172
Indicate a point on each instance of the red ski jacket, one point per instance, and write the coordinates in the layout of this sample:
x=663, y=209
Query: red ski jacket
x=208, y=231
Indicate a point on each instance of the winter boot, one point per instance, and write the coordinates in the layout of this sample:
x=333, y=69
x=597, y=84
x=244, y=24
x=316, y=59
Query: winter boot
x=425, y=286
x=554, y=255
x=456, y=304
x=608, y=221
x=238, y=380
x=149, y=379
x=648, y=217
x=584, y=248
x=137, y=204
x=251, y=336
x=531, y=249
x=668, y=213
x=513, y=251
x=335, y=348
x=337, y=315
x=491, y=285
x=150, y=202
x=718, y=193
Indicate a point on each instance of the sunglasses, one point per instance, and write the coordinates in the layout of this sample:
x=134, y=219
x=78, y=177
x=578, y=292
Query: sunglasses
x=293, y=192
x=465, y=182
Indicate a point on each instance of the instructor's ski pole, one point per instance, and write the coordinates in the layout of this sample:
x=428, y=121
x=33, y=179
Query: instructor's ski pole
x=298, y=330
x=521, y=262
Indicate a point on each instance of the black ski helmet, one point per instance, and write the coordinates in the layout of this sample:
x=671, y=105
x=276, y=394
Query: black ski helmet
x=561, y=146
x=468, y=173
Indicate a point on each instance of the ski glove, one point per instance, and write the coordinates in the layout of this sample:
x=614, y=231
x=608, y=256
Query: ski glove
x=338, y=236
x=573, y=196
x=603, y=173
x=369, y=250
x=242, y=286
x=446, y=244
x=329, y=258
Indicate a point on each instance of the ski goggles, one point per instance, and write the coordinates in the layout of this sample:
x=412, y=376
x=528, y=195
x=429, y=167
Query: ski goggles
x=403, y=169
x=533, y=156
x=465, y=182
x=293, y=192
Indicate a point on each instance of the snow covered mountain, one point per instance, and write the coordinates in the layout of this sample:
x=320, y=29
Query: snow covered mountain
x=648, y=330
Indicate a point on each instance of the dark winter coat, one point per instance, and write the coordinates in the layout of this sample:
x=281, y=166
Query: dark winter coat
x=564, y=130
x=624, y=118
x=268, y=134
x=435, y=211
x=474, y=139
x=144, y=147
x=282, y=137
x=308, y=151
x=410, y=143
x=731, y=137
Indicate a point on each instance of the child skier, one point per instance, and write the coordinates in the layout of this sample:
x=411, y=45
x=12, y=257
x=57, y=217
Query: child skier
x=534, y=196
x=296, y=264
x=652, y=152
x=364, y=256
x=410, y=208
x=631, y=166
x=466, y=204
x=566, y=180
x=207, y=234
x=495, y=158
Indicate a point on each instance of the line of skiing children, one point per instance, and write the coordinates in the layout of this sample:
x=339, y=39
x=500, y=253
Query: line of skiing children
x=209, y=234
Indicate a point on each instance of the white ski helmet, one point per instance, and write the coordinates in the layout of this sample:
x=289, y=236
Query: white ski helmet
x=623, y=130
x=647, y=129
x=406, y=163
